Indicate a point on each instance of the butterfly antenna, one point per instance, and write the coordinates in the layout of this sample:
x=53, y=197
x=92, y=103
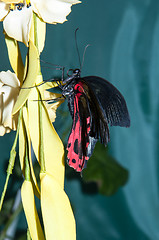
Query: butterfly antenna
x=84, y=55
x=77, y=47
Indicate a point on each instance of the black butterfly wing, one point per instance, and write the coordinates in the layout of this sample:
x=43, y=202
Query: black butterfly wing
x=110, y=100
x=88, y=124
x=98, y=122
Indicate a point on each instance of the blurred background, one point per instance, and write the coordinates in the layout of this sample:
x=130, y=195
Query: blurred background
x=122, y=201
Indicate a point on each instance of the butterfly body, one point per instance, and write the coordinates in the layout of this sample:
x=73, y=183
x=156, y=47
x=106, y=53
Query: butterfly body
x=93, y=103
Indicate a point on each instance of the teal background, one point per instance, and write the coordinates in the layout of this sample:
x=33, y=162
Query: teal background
x=124, y=39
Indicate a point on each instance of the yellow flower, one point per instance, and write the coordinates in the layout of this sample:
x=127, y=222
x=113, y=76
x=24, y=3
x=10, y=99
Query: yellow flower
x=35, y=127
x=17, y=17
x=57, y=213
x=9, y=90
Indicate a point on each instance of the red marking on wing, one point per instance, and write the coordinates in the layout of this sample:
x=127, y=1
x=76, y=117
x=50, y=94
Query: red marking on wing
x=76, y=156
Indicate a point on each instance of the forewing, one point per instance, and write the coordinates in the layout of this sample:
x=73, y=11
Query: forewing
x=111, y=101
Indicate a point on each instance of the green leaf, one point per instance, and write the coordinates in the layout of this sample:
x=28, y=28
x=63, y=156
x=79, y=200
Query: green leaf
x=105, y=171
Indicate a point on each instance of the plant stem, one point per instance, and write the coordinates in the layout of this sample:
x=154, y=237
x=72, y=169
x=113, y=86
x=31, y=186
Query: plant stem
x=28, y=235
x=35, y=31
x=41, y=152
x=40, y=104
x=27, y=167
x=11, y=160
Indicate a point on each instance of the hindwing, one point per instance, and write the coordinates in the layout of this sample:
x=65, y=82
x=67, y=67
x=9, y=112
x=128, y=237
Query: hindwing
x=88, y=125
x=78, y=140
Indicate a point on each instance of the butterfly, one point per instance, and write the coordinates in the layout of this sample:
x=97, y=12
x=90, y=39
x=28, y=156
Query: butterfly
x=94, y=103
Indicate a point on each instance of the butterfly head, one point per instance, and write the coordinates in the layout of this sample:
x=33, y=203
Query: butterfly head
x=72, y=74
x=77, y=72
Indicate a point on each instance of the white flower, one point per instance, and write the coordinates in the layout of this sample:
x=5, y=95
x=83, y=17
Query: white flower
x=17, y=17
x=9, y=90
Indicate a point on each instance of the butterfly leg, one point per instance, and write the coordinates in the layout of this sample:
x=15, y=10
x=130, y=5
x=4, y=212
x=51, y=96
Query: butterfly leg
x=45, y=81
x=56, y=67
x=55, y=99
x=52, y=100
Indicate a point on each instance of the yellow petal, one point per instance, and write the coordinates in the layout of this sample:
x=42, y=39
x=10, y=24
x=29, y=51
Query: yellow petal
x=49, y=85
x=59, y=222
x=53, y=147
x=52, y=107
x=15, y=57
x=23, y=134
x=39, y=27
x=30, y=210
x=30, y=78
